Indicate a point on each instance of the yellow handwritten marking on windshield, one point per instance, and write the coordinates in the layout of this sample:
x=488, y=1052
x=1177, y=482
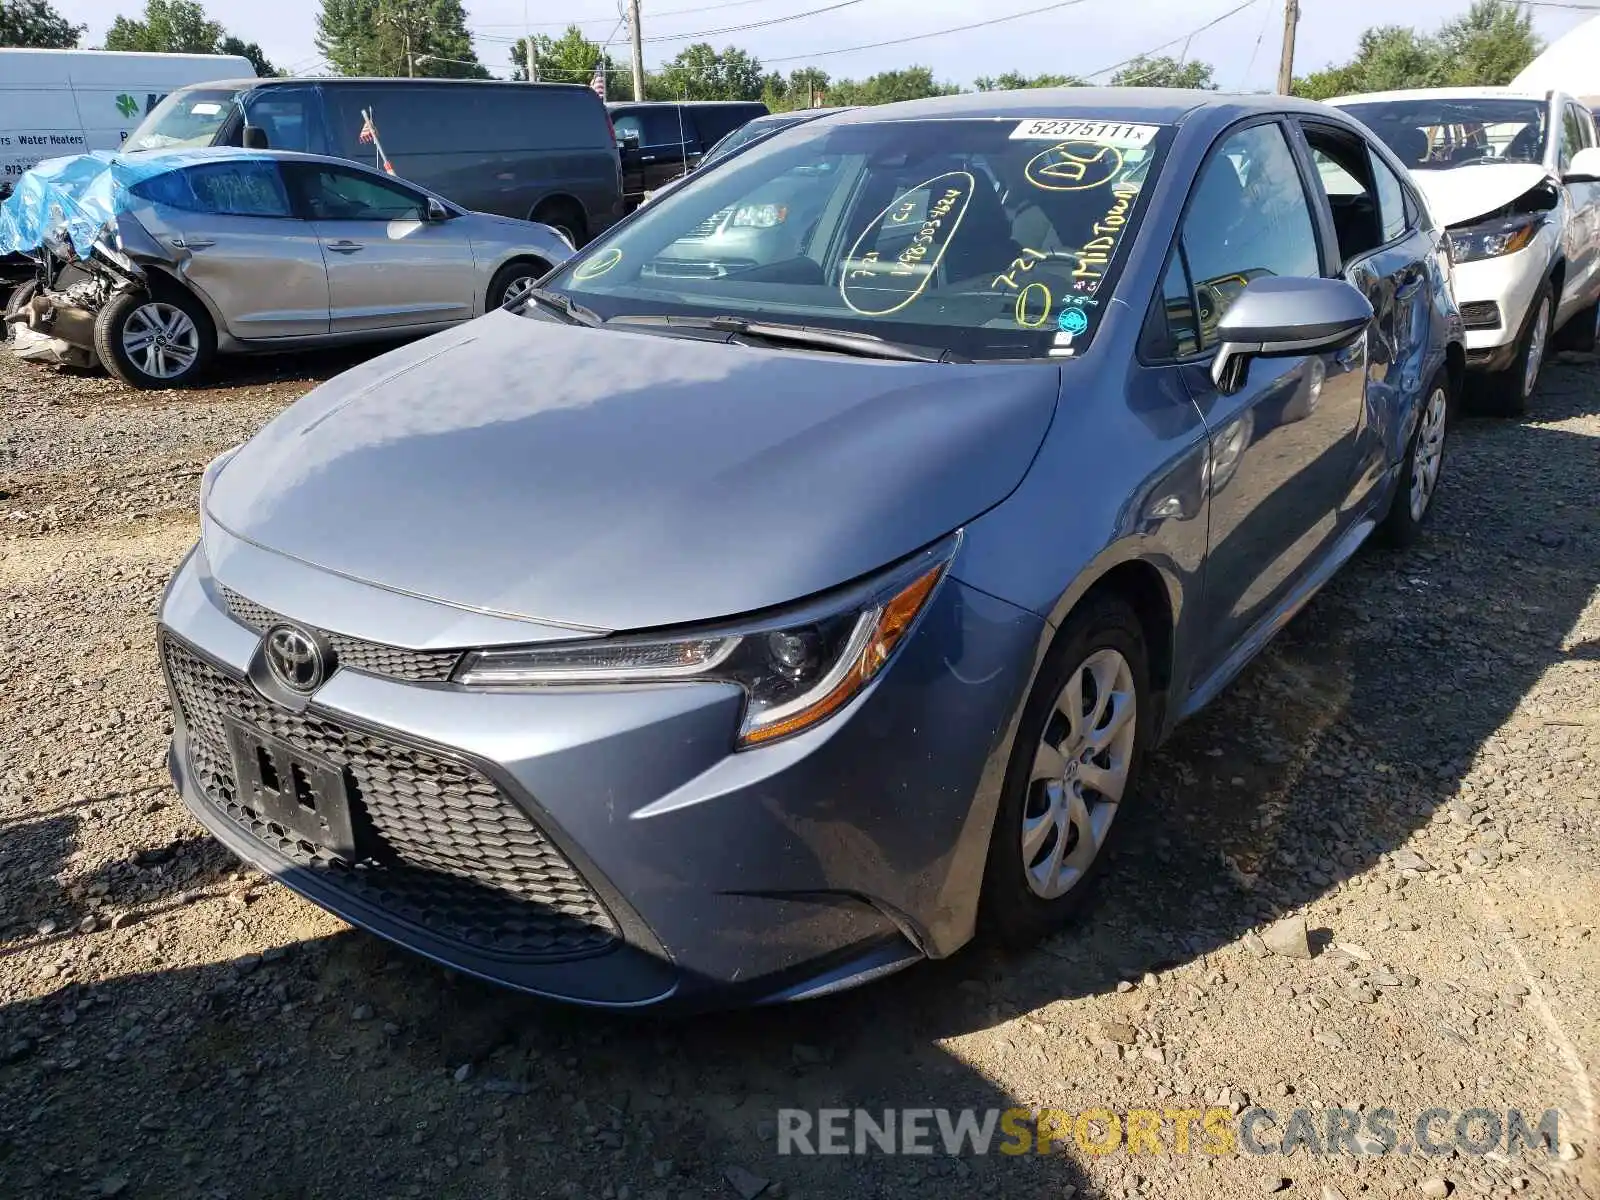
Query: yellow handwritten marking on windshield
x=1096, y=253
x=1027, y=298
x=875, y=286
x=1074, y=167
x=1021, y=265
x=598, y=265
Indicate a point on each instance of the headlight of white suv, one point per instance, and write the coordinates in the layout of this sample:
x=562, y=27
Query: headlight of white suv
x=1493, y=239
x=796, y=669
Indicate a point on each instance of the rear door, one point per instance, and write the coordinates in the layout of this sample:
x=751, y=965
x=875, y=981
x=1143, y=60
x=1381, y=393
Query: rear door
x=1283, y=446
x=232, y=227
x=388, y=266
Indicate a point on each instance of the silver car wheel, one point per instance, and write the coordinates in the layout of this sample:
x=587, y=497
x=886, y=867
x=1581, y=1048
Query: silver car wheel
x=1079, y=773
x=518, y=289
x=160, y=340
x=1429, y=454
x=1536, y=344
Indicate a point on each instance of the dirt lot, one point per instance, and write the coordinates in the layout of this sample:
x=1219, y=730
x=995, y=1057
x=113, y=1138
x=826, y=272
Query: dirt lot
x=1414, y=769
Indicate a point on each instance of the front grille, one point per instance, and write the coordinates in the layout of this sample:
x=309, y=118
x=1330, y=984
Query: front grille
x=357, y=654
x=440, y=846
x=1480, y=314
x=708, y=227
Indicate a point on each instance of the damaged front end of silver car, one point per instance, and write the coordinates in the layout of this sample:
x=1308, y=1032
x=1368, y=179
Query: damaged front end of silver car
x=51, y=317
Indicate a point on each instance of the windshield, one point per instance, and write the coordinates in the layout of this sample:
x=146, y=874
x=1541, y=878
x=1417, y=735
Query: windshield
x=747, y=133
x=988, y=238
x=1435, y=134
x=185, y=118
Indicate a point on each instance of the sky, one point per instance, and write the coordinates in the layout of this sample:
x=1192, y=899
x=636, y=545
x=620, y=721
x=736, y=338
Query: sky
x=1081, y=38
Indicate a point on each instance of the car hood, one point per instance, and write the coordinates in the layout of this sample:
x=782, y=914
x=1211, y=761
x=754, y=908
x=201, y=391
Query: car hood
x=624, y=480
x=1457, y=194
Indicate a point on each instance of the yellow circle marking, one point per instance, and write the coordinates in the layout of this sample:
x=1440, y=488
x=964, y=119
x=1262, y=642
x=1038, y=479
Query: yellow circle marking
x=598, y=265
x=1074, y=167
x=1025, y=305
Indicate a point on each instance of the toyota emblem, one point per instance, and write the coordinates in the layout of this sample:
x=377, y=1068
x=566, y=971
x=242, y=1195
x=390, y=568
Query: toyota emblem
x=295, y=659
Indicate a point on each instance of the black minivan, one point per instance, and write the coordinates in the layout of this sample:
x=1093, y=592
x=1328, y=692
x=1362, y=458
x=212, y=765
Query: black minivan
x=538, y=151
x=662, y=140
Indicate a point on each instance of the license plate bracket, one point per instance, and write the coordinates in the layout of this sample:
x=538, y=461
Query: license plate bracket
x=305, y=794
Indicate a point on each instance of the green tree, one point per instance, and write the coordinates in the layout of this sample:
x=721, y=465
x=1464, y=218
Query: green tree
x=1165, y=71
x=570, y=58
x=398, y=37
x=700, y=72
x=1011, y=81
x=1387, y=57
x=887, y=87
x=169, y=27
x=1489, y=45
x=36, y=24
x=250, y=50
x=783, y=94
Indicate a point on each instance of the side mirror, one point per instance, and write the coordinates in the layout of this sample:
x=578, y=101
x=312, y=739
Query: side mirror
x=435, y=210
x=1585, y=166
x=255, y=138
x=1279, y=316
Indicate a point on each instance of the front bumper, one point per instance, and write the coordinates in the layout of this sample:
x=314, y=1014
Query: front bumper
x=614, y=850
x=1510, y=283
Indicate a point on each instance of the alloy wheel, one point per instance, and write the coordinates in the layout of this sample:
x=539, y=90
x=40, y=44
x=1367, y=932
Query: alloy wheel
x=161, y=340
x=1429, y=453
x=1080, y=771
x=518, y=289
x=1537, y=339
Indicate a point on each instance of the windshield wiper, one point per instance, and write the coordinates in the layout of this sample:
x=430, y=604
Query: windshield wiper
x=777, y=333
x=574, y=312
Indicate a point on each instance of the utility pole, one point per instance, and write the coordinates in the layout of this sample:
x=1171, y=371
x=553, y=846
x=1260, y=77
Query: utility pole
x=638, y=50
x=1291, y=17
x=527, y=33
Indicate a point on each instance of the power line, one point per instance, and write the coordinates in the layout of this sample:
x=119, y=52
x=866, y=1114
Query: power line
x=1174, y=41
x=1266, y=19
x=668, y=12
x=709, y=33
x=917, y=37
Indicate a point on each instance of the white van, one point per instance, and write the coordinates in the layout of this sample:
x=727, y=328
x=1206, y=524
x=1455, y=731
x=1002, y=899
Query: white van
x=57, y=102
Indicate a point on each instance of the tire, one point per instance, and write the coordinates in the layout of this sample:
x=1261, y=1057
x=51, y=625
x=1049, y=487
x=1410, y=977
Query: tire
x=1422, y=468
x=566, y=217
x=1506, y=393
x=150, y=341
x=510, y=282
x=1038, y=825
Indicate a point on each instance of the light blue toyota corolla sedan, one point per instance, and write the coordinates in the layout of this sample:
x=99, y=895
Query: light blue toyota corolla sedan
x=790, y=588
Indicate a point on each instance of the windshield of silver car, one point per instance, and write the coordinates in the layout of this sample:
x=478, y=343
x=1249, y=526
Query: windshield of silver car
x=988, y=238
x=1433, y=134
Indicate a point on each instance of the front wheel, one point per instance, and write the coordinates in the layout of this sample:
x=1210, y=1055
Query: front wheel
x=1074, y=765
x=1419, y=475
x=154, y=342
x=512, y=283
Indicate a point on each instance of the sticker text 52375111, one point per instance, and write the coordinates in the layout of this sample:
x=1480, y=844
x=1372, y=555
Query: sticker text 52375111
x=1063, y=129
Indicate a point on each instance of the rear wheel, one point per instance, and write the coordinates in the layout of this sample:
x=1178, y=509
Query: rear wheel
x=1074, y=764
x=1419, y=476
x=565, y=217
x=152, y=341
x=513, y=282
x=1507, y=392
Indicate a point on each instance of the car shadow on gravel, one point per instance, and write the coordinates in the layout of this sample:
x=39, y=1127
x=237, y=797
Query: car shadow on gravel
x=341, y=1064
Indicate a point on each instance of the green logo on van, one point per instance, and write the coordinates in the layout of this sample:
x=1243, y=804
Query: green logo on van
x=127, y=105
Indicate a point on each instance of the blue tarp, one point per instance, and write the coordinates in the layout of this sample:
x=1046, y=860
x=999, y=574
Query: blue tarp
x=79, y=194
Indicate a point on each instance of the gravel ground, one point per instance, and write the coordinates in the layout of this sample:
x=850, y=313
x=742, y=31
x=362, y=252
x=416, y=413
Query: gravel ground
x=1413, y=770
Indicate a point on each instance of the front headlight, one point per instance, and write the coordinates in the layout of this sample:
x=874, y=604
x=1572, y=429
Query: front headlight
x=759, y=216
x=1492, y=239
x=796, y=669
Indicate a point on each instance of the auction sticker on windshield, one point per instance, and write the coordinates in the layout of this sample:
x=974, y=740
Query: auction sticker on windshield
x=1064, y=129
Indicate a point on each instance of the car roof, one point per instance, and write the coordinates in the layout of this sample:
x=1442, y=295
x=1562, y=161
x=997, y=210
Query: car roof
x=342, y=80
x=686, y=103
x=1450, y=93
x=186, y=156
x=1159, y=106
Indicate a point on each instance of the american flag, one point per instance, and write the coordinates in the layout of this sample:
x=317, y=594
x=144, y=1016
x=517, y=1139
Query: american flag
x=598, y=83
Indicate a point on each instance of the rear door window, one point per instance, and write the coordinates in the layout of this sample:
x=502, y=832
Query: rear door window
x=291, y=117
x=248, y=188
x=336, y=194
x=1391, y=200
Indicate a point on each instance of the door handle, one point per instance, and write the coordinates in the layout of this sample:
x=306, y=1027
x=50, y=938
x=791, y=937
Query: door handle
x=647, y=158
x=344, y=247
x=193, y=243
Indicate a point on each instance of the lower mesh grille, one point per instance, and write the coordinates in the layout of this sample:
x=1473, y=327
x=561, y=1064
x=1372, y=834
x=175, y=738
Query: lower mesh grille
x=356, y=654
x=1480, y=314
x=440, y=846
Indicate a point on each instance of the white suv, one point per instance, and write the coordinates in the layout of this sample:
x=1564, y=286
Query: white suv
x=1515, y=178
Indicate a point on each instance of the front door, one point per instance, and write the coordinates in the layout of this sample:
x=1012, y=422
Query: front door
x=1283, y=446
x=233, y=229
x=389, y=267
x=1582, y=240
